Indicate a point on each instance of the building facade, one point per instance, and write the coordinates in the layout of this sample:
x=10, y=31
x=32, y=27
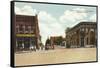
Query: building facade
x=83, y=34
x=56, y=40
x=27, y=32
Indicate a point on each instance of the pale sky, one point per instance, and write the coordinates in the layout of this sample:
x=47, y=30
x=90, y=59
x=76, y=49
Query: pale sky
x=54, y=19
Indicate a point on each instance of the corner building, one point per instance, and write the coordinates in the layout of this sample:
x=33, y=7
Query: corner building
x=27, y=31
x=83, y=34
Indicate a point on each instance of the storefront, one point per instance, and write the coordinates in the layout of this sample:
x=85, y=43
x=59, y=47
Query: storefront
x=24, y=42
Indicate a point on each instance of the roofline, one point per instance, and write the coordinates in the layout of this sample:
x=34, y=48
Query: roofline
x=25, y=15
x=84, y=22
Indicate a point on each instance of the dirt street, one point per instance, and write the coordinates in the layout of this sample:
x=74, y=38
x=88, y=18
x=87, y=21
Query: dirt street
x=56, y=56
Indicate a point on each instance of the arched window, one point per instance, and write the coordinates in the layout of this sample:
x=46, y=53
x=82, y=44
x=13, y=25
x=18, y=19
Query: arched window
x=92, y=29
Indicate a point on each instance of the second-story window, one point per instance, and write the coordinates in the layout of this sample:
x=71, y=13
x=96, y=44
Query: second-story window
x=86, y=30
x=29, y=28
x=26, y=28
x=32, y=29
x=21, y=28
x=92, y=29
x=17, y=28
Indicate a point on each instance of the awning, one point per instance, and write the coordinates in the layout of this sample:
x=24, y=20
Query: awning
x=25, y=35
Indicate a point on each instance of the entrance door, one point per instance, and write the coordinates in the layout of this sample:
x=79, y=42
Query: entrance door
x=82, y=42
x=19, y=43
x=27, y=43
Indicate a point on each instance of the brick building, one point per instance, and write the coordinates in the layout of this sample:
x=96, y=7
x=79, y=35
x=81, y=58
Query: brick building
x=83, y=34
x=27, y=31
x=53, y=42
x=56, y=40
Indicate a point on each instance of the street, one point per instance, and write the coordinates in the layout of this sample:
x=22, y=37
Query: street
x=55, y=56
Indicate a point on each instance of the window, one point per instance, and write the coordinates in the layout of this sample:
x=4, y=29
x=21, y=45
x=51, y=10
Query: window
x=26, y=28
x=21, y=27
x=92, y=29
x=32, y=29
x=29, y=28
x=86, y=30
x=17, y=28
x=82, y=29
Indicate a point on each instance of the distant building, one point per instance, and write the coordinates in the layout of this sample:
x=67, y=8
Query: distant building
x=27, y=32
x=53, y=41
x=56, y=40
x=83, y=34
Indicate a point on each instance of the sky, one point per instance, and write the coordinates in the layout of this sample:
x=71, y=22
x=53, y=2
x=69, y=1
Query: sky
x=53, y=19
